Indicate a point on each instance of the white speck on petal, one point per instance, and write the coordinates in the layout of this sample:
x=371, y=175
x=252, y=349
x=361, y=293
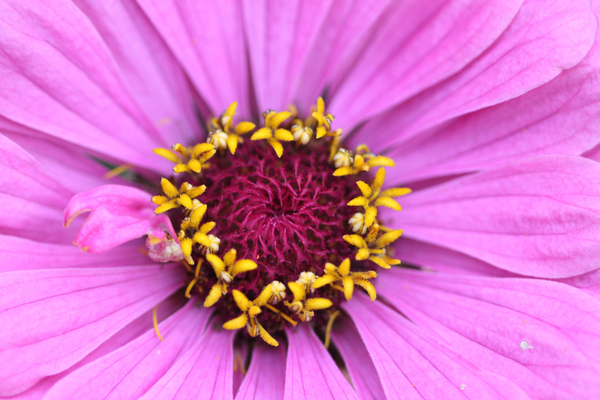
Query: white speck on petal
x=463, y=386
x=525, y=345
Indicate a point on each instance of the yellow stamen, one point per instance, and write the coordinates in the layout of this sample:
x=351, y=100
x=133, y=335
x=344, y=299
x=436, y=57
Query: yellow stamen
x=155, y=322
x=329, y=325
x=117, y=171
x=189, y=288
x=281, y=314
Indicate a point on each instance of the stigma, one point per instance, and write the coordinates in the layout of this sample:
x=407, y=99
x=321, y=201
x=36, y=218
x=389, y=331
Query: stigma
x=277, y=222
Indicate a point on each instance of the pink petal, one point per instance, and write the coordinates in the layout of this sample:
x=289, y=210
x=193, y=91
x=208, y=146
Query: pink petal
x=153, y=75
x=543, y=40
x=340, y=40
x=358, y=362
x=129, y=333
x=413, y=364
x=541, y=335
x=537, y=217
x=203, y=372
x=118, y=214
x=67, y=313
x=23, y=176
x=280, y=36
x=207, y=37
x=18, y=254
x=60, y=78
x=416, y=45
x=266, y=376
x=561, y=117
x=311, y=373
x=130, y=371
x=589, y=283
x=431, y=257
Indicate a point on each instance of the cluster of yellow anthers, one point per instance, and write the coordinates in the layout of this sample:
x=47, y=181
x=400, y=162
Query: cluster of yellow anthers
x=368, y=235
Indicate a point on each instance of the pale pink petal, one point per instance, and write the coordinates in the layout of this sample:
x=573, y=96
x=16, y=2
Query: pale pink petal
x=340, y=40
x=416, y=45
x=153, y=75
x=207, y=37
x=310, y=371
x=266, y=377
x=59, y=77
x=543, y=40
x=539, y=216
x=54, y=318
x=431, y=257
x=414, y=364
x=19, y=254
x=541, y=335
x=280, y=36
x=205, y=371
x=358, y=362
x=118, y=214
x=130, y=371
x=560, y=117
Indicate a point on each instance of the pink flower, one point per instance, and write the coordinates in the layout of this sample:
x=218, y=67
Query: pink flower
x=490, y=110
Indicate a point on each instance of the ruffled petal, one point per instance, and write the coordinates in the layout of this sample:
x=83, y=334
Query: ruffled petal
x=280, y=36
x=60, y=78
x=543, y=40
x=310, y=371
x=118, y=214
x=541, y=335
x=205, y=371
x=538, y=216
x=207, y=37
x=54, y=318
x=560, y=117
x=358, y=362
x=266, y=377
x=414, y=364
x=415, y=46
x=128, y=372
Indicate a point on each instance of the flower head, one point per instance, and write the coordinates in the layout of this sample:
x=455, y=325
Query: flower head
x=269, y=167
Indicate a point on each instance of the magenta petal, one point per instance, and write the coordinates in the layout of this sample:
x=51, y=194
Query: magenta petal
x=280, y=36
x=342, y=38
x=310, y=372
x=538, y=216
x=205, y=371
x=430, y=257
x=543, y=40
x=416, y=45
x=561, y=117
x=54, y=318
x=412, y=363
x=266, y=377
x=543, y=336
x=154, y=77
x=118, y=214
x=18, y=254
x=207, y=37
x=358, y=362
x=130, y=371
x=60, y=78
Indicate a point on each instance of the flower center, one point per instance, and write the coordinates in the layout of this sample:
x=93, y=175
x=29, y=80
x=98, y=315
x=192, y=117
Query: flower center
x=278, y=235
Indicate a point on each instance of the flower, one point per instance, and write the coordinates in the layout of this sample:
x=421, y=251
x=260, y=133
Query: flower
x=487, y=109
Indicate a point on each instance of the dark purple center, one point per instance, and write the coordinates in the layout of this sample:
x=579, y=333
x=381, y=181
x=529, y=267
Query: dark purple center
x=287, y=214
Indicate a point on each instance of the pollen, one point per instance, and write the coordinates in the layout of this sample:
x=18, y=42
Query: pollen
x=289, y=219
